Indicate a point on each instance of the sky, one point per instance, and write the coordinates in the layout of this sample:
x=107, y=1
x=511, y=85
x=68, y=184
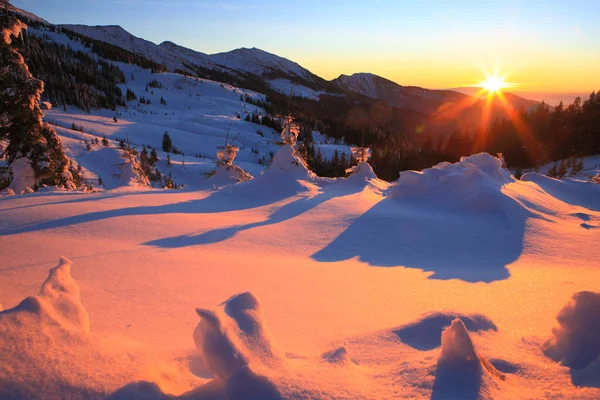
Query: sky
x=542, y=46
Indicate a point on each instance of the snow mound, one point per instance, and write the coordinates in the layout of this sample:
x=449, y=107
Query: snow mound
x=118, y=168
x=287, y=175
x=461, y=372
x=571, y=191
x=47, y=350
x=58, y=300
x=471, y=185
x=362, y=172
x=576, y=341
x=131, y=173
x=287, y=162
x=338, y=356
x=227, y=175
x=236, y=344
x=23, y=175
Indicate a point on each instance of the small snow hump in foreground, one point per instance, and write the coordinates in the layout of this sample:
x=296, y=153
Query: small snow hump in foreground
x=461, y=373
x=576, y=340
x=237, y=345
x=61, y=292
x=338, y=356
x=58, y=300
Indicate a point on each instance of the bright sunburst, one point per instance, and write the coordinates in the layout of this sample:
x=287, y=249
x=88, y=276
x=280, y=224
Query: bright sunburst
x=494, y=84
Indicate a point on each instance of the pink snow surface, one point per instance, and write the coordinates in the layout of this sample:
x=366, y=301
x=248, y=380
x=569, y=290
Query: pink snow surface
x=444, y=284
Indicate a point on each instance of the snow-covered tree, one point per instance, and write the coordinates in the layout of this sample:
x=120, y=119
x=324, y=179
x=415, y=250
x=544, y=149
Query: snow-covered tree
x=362, y=155
x=34, y=152
x=225, y=167
x=290, y=131
x=226, y=154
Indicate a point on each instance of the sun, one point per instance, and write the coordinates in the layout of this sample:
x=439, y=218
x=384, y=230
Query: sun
x=494, y=84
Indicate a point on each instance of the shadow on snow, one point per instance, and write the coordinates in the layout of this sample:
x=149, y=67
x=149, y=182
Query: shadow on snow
x=453, y=243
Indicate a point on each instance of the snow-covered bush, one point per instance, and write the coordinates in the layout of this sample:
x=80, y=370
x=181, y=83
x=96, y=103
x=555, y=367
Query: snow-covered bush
x=226, y=171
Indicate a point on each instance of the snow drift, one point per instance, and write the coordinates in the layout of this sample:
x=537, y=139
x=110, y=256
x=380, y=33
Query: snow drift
x=461, y=372
x=57, y=303
x=47, y=350
x=471, y=185
x=237, y=345
x=571, y=191
x=576, y=339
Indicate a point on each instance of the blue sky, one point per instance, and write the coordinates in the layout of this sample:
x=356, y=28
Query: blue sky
x=542, y=45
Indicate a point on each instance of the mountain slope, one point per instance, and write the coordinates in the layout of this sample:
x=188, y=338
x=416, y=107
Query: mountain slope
x=376, y=87
x=439, y=104
x=237, y=62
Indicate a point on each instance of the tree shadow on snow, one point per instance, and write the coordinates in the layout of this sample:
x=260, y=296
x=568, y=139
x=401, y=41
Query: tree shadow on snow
x=285, y=213
x=471, y=245
x=79, y=197
x=242, y=196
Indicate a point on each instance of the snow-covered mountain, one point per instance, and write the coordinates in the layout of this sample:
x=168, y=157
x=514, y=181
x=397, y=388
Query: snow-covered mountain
x=280, y=73
x=236, y=62
x=168, y=54
x=259, y=62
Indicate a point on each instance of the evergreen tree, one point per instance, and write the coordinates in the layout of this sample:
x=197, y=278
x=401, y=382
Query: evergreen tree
x=31, y=143
x=562, y=169
x=153, y=156
x=167, y=144
x=168, y=159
